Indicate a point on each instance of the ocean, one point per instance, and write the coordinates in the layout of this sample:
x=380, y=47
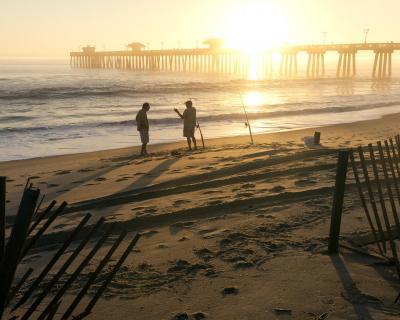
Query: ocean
x=48, y=108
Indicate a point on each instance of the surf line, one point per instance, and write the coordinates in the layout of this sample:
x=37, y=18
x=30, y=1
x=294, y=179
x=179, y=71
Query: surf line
x=247, y=123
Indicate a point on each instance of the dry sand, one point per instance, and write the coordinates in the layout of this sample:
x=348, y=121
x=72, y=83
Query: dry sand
x=250, y=220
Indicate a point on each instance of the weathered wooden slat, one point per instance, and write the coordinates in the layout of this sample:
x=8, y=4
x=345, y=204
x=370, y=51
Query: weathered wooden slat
x=395, y=178
x=16, y=242
x=372, y=197
x=76, y=273
x=93, y=276
x=38, y=206
x=41, y=216
x=338, y=198
x=19, y=285
x=40, y=232
x=52, y=262
x=62, y=270
x=118, y=265
x=383, y=206
x=388, y=186
x=363, y=202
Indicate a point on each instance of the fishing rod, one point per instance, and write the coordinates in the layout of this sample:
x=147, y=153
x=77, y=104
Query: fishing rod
x=247, y=123
x=201, y=134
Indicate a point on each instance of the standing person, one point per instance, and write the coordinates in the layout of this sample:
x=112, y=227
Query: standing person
x=143, y=127
x=189, y=123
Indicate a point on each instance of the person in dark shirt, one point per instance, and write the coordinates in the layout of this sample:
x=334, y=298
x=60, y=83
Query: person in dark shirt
x=143, y=127
x=189, y=123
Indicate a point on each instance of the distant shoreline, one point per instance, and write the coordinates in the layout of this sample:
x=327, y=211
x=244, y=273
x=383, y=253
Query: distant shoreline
x=238, y=139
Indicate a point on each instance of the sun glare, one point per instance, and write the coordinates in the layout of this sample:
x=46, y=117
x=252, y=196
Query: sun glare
x=255, y=26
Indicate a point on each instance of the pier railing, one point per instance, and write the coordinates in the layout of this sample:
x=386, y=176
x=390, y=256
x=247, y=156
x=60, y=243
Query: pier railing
x=231, y=61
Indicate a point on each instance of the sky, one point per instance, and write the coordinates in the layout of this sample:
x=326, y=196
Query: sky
x=53, y=28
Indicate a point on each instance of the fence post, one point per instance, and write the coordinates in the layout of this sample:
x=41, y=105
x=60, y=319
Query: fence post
x=337, y=205
x=2, y=216
x=317, y=137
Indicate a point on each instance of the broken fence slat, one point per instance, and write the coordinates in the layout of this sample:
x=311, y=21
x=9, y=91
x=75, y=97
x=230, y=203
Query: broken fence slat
x=41, y=216
x=372, y=198
x=38, y=206
x=93, y=276
x=63, y=269
x=16, y=242
x=19, y=285
x=103, y=287
x=388, y=187
x=76, y=273
x=40, y=232
x=52, y=262
x=383, y=206
x=363, y=202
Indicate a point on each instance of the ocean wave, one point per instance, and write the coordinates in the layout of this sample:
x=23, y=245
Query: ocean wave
x=143, y=89
x=12, y=118
x=228, y=117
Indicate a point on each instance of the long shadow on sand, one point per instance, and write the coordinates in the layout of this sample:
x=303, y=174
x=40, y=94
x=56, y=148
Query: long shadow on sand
x=351, y=292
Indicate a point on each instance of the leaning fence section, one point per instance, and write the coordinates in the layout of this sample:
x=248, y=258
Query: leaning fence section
x=376, y=172
x=41, y=297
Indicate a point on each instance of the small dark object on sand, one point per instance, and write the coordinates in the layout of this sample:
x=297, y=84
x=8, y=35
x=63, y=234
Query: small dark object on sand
x=282, y=311
x=181, y=316
x=199, y=316
x=230, y=291
x=175, y=153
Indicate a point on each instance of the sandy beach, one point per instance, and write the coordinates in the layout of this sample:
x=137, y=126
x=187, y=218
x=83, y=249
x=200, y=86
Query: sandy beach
x=235, y=231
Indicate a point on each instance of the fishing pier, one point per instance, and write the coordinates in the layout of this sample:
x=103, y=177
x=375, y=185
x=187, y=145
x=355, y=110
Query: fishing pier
x=214, y=58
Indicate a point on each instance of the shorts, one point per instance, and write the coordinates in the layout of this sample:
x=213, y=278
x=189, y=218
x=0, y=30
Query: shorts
x=188, y=132
x=144, y=136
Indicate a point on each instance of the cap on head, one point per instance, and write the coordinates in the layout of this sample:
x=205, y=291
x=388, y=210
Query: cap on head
x=188, y=103
x=146, y=105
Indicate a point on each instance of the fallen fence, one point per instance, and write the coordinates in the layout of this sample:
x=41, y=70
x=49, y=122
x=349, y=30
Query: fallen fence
x=41, y=297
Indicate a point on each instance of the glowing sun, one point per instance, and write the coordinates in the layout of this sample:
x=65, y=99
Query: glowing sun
x=255, y=26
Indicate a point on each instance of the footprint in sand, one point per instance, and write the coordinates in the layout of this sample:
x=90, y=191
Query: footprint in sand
x=204, y=254
x=277, y=189
x=138, y=208
x=139, y=174
x=76, y=182
x=86, y=170
x=244, y=195
x=150, y=210
x=101, y=179
x=214, y=202
x=177, y=203
x=59, y=173
x=122, y=179
x=62, y=191
x=248, y=186
x=52, y=185
x=178, y=226
x=305, y=182
x=211, y=192
x=149, y=233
